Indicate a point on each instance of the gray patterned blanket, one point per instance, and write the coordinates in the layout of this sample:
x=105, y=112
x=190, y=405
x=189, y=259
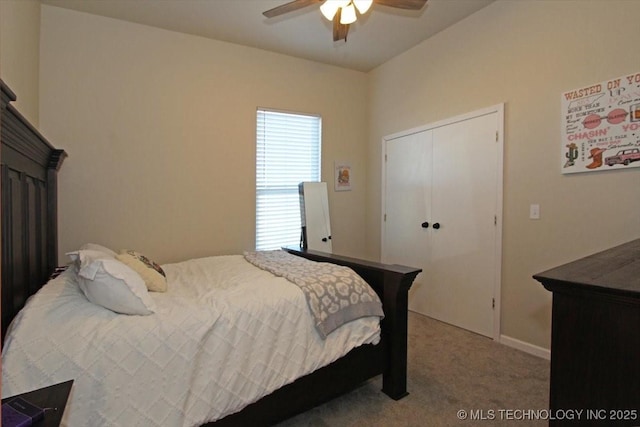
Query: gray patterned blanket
x=335, y=294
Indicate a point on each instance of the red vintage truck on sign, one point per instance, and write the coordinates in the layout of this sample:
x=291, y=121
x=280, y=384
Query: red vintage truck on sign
x=623, y=157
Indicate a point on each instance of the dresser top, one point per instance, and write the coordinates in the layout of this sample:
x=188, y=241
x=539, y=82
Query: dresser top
x=613, y=271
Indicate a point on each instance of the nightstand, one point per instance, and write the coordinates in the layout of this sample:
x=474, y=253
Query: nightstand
x=54, y=396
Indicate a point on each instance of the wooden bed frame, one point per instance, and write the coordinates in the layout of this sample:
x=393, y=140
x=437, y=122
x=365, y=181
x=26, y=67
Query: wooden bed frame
x=29, y=166
x=389, y=357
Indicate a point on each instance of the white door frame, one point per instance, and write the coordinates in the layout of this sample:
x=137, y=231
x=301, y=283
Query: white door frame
x=499, y=109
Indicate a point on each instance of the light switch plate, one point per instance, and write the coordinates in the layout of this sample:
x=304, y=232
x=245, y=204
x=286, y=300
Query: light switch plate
x=534, y=211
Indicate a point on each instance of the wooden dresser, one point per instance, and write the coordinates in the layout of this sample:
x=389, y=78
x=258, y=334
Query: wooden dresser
x=595, y=337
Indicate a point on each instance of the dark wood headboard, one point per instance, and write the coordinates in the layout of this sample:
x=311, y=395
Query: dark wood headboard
x=29, y=166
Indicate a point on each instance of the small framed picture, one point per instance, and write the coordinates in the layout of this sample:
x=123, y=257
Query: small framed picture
x=343, y=176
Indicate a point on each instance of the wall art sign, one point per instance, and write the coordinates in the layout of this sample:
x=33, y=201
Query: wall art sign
x=342, y=176
x=601, y=126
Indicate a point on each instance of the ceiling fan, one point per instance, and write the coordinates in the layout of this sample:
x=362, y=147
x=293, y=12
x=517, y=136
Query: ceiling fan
x=342, y=12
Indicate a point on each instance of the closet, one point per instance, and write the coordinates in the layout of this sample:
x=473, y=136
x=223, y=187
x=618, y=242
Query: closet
x=442, y=212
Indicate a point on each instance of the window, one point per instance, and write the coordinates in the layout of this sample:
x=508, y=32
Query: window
x=287, y=153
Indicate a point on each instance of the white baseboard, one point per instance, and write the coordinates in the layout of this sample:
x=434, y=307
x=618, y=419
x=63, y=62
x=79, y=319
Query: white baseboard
x=526, y=347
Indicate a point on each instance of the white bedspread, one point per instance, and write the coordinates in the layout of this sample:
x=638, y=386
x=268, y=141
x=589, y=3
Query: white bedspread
x=225, y=334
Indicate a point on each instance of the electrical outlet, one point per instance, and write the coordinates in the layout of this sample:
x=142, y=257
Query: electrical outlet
x=534, y=211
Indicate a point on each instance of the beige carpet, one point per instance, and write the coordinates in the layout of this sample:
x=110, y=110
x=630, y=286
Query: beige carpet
x=450, y=370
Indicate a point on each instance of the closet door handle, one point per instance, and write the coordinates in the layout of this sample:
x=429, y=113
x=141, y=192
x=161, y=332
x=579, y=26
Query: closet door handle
x=436, y=225
x=425, y=225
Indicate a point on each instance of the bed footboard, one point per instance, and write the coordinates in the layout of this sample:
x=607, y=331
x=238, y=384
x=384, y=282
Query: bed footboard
x=392, y=284
x=389, y=357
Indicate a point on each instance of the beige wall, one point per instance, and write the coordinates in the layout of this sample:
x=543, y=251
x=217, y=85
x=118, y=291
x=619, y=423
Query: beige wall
x=523, y=53
x=160, y=131
x=20, y=52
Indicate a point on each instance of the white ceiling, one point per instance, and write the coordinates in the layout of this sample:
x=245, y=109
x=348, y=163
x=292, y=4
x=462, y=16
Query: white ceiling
x=376, y=37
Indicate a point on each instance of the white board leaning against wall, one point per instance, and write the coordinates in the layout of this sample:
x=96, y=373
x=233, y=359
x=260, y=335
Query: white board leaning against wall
x=314, y=216
x=601, y=126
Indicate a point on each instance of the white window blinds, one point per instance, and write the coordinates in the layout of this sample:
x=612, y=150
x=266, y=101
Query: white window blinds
x=288, y=147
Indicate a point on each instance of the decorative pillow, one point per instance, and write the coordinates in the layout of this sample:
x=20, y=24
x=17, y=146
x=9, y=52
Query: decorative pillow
x=107, y=282
x=151, y=273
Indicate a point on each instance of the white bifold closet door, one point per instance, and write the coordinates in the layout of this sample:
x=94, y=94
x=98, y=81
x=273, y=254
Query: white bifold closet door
x=442, y=207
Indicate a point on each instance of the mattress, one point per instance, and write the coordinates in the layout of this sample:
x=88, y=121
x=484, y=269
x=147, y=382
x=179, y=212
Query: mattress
x=224, y=334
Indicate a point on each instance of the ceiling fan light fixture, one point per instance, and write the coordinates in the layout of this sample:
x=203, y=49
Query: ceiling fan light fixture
x=330, y=7
x=342, y=13
x=348, y=15
x=363, y=5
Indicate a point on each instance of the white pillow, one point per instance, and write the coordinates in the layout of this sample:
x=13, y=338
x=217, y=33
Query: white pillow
x=108, y=282
x=99, y=248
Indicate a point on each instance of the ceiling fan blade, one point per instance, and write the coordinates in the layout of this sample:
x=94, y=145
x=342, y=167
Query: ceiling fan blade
x=403, y=4
x=289, y=7
x=339, y=30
